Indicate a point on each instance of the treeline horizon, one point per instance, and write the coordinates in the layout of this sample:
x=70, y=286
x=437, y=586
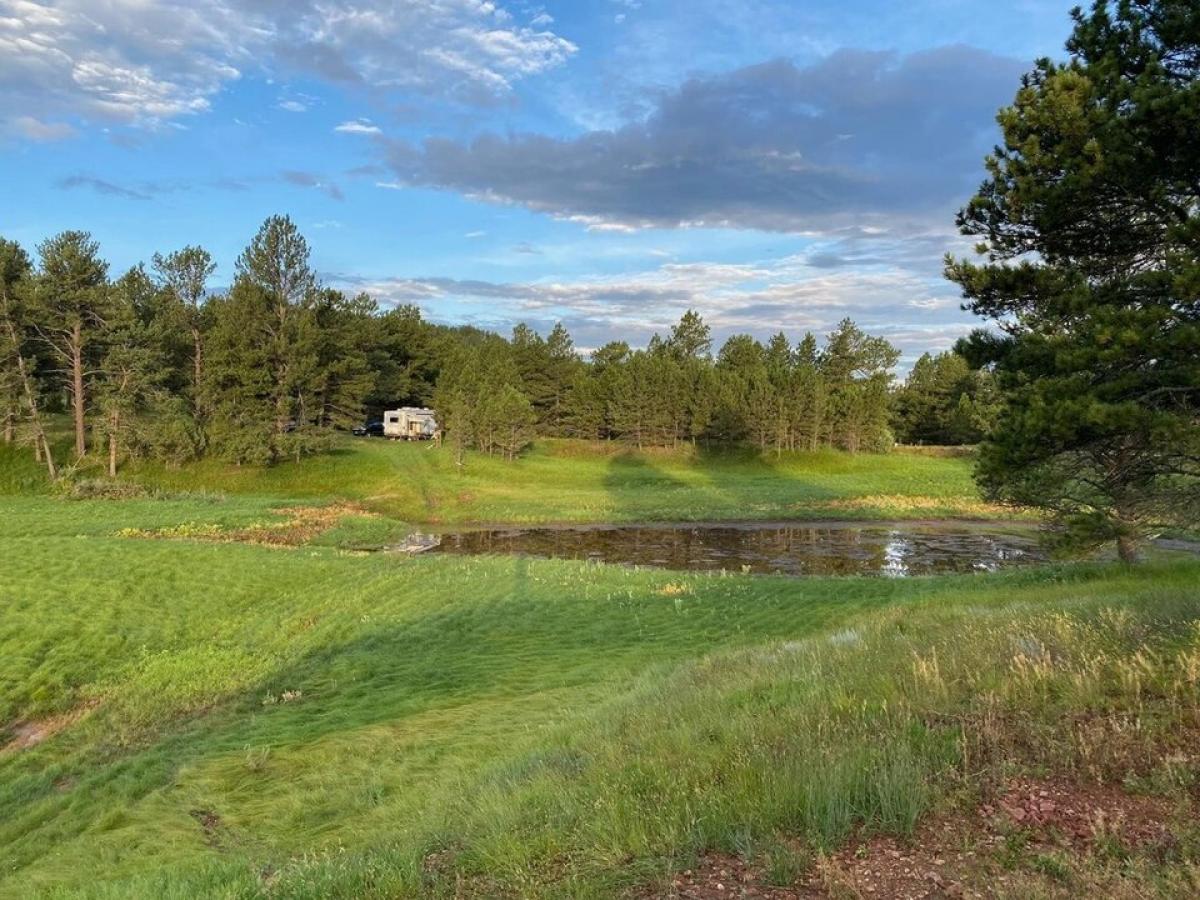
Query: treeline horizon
x=153, y=364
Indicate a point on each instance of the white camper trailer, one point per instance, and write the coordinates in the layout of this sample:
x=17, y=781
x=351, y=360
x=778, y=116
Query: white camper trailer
x=410, y=423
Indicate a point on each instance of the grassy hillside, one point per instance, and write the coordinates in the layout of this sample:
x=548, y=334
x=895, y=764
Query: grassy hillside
x=569, y=481
x=186, y=718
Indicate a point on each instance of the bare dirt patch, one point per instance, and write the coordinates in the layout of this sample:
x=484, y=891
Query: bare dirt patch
x=999, y=850
x=25, y=735
x=210, y=825
x=719, y=875
x=1078, y=817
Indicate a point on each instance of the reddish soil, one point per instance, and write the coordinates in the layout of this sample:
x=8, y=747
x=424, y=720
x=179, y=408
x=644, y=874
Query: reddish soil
x=720, y=876
x=1076, y=817
x=957, y=856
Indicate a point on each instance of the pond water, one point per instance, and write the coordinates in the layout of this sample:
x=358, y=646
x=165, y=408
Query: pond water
x=894, y=550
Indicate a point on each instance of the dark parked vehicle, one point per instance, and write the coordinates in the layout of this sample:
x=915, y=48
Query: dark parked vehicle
x=371, y=429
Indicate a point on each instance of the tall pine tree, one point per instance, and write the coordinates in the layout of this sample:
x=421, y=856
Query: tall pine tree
x=1089, y=225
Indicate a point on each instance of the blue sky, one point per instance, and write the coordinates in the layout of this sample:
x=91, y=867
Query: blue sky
x=608, y=163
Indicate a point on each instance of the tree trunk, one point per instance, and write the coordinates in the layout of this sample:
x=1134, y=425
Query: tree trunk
x=1127, y=548
x=197, y=359
x=112, y=450
x=77, y=390
x=10, y=425
x=198, y=406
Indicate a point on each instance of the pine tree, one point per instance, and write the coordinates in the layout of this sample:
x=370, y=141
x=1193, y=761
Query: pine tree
x=809, y=394
x=631, y=399
x=741, y=370
x=131, y=370
x=563, y=364
x=184, y=276
x=1089, y=224
x=343, y=378
x=856, y=368
x=402, y=351
x=700, y=386
x=467, y=398
x=781, y=375
x=690, y=337
x=532, y=362
x=585, y=409
x=239, y=388
x=547, y=367
x=511, y=420
x=72, y=290
x=927, y=404
x=263, y=378
x=608, y=372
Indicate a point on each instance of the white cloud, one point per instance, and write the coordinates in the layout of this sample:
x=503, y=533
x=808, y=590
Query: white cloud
x=357, y=126
x=390, y=185
x=292, y=106
x=145, y=62
x=123, y=61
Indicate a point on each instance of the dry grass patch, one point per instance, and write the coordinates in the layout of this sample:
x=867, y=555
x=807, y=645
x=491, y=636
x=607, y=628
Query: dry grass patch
x=906, y=505
x=301, y=525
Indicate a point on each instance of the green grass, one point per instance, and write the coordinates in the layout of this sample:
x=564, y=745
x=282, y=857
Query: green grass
x=569, y=481
x=19, y=473
x=238, y=720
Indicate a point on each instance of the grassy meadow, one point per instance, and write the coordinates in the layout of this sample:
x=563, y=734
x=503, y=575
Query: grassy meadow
x=574, y=481
x=200, y=717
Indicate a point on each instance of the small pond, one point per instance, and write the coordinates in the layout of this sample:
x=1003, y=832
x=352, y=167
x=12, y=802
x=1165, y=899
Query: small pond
x=894, y=550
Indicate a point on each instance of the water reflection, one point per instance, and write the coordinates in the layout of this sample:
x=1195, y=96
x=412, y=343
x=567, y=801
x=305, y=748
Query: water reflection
x=793, y=549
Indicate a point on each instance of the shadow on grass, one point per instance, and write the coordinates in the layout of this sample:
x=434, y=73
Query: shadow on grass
x=714, y=483
x=516, y=652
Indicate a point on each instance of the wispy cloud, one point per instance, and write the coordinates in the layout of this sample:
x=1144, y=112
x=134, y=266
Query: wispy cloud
x=101, y=186
x=310, y=180
x=38, y=130
x=358, y=126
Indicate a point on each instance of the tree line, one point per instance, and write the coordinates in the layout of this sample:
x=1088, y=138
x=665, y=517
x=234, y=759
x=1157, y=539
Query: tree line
x=155, y=364
x=496, y=395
